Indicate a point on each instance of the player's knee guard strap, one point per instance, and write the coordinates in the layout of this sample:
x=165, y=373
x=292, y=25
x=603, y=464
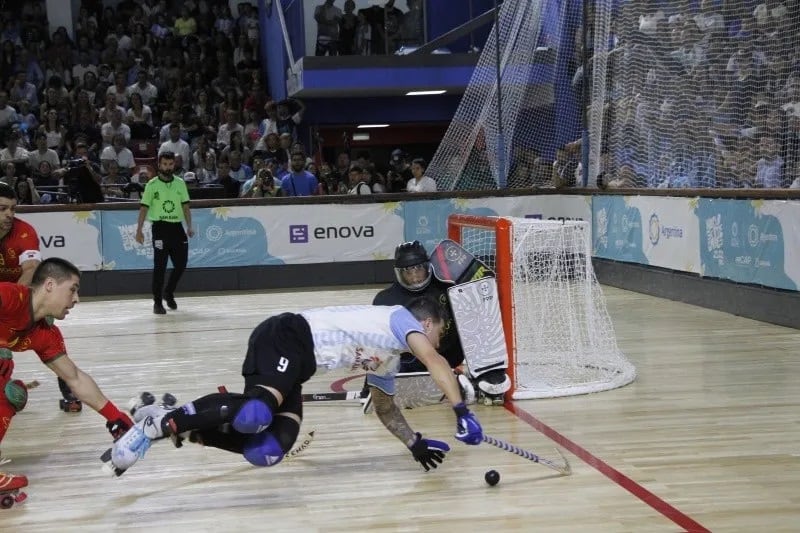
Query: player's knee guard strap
x=253, y=417
x=263, y=449
x=17, y=394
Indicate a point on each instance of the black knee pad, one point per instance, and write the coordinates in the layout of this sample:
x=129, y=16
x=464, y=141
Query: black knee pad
x=285, y=429
x=261, y=393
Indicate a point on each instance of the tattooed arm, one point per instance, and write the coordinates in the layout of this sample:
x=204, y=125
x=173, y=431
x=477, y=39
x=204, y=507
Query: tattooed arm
x=392, y=418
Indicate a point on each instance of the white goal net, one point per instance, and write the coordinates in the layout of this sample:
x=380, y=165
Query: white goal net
x=563, y=339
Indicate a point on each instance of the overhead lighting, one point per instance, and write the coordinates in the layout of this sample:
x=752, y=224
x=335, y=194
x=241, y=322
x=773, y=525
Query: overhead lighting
x=365, y=126
x=425, y=93
x=361, y=136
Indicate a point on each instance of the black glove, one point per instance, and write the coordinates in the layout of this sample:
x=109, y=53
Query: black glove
x=428, y=452
x=118, y=427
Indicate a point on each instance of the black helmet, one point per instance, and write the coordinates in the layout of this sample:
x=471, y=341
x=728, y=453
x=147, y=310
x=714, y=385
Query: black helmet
x=407, y=256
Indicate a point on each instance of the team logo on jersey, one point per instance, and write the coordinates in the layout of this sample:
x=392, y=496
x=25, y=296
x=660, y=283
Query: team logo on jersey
x=365, y=362
x=12, y=254
x=168, y=206
x=156, y=196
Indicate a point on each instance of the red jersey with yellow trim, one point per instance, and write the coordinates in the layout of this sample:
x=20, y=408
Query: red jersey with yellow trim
x=21, y=239
x=18, y=331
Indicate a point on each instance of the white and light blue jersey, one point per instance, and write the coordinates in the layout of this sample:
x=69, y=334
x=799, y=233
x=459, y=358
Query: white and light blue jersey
x=361, y=337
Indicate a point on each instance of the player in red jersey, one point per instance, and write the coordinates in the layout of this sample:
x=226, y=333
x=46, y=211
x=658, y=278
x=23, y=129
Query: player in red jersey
x=19, y=257
x=24, y=326
x=19, y=243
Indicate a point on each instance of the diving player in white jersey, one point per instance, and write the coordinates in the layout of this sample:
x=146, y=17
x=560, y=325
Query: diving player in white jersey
x=283, y=352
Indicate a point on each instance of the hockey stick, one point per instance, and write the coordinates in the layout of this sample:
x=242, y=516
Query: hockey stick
x=331, y=396
x=564, y=469
x=303, y=446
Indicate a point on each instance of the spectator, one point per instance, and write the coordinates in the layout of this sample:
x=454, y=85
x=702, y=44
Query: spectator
x=357, y=184
x=13, y=153
x=119, y=153
x=564, y=168
x=399, y=173
x=113, y=182
x=270, y=145
x=769, y=167
x=42, y=153
x=9, y=173
x=328, y=18
x=139, y=118
x=185, y=24
x=56, y=132
x=237, y=145
x=225, y=130
x=22, y=89
x=230, y=185
x=106, y=113
x=177, y=146
x=348, y=25
x=238, y=170
x=119, y=90
x=145, y=89
x=206, y=172
x=299, y=182
x=115, y=127
x=289, y=116
x=8, y=115
x=261, y=186
x=26, y=192
x=420, y=182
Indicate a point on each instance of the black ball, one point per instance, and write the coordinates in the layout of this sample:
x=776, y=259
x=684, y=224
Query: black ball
x=492, y=477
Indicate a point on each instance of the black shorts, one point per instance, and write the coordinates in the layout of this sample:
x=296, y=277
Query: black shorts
x=280, y=354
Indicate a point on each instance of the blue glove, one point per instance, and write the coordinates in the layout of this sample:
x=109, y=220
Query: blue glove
x=468, y=429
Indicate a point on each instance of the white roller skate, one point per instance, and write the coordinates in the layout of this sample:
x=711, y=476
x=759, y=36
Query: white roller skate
x=131, y=446
x=137, y=406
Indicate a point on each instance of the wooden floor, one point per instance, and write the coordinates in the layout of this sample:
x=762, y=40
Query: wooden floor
x=707, y=437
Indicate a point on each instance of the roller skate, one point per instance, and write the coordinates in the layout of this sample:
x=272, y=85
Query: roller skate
x=10, y=486
x=70, y=404
x=136, y=405
x=131, y=446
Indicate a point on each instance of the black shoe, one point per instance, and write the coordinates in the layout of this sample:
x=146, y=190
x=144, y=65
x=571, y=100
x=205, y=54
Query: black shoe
x=171, y=303
x=158, y=308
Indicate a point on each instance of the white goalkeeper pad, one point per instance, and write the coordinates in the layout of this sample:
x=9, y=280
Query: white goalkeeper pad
x=476, y=310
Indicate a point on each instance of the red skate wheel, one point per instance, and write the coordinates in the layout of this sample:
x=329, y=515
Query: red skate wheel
x=21, y=497
x=7, y=501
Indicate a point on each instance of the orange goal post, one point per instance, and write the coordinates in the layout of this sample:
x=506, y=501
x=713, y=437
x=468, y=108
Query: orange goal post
x=559, y=335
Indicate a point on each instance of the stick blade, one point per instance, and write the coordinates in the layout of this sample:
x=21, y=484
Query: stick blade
x=566, y=470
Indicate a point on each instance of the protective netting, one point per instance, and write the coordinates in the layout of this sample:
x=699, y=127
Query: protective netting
x=564, y=341
x=698, y=93
x=468, y=156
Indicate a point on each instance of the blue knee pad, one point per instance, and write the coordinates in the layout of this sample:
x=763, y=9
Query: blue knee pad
x=263, y=449
x=253, y=417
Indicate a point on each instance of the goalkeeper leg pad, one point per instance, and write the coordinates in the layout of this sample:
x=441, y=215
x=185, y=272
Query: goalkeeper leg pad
x=476, y=310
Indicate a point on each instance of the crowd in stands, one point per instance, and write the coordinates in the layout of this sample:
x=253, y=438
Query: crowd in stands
x=704, y=94
x=150, y=76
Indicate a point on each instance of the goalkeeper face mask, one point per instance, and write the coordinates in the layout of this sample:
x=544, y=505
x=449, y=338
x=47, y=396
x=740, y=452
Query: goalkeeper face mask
x=414, y=278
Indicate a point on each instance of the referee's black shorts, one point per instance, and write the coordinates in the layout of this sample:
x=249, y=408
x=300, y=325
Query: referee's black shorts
x=280, y=354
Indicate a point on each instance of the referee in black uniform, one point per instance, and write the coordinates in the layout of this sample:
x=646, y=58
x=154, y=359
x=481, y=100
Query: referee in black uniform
x=160, y=205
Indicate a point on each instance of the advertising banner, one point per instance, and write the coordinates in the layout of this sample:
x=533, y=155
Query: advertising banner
x=750, y=241
x=72, y=235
